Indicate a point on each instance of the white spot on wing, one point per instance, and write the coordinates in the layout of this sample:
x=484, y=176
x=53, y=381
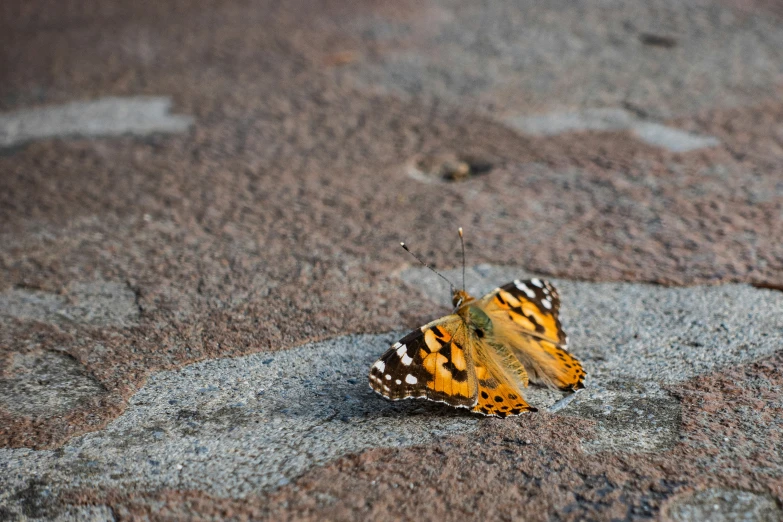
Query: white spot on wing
x=546, y=304
x=406, y=360
x=388, y=377
x=537, y=282
x=397, y=381
x=410, y=379
x=522, y=287
x=401, y=350
x=380, y=366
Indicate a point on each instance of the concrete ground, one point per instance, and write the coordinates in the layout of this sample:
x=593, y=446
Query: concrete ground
x=200, y=210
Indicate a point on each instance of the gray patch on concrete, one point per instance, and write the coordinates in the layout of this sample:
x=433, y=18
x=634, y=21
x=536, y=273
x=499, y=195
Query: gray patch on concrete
x=34, y=500
x=38, y=501
x=725, y=505
x=86, y=514
x=46, y=384
x=674, y=140
x=555, y=123
x=611, y=119
x=30, y=304
x=234, y=427
x=632, y=338
x=631, y=417
x=140, y=115
x=99, y=303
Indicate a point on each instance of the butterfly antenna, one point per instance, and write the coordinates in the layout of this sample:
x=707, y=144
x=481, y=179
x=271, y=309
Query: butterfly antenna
x=403, y=245
x=462, y=240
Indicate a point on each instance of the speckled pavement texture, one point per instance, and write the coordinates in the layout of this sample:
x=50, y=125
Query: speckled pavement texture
x=200, y=211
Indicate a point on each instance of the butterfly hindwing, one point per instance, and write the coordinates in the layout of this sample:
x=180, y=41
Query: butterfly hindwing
x=525, y=316
x=432, y=362
x=500, y=379
x=550, y=364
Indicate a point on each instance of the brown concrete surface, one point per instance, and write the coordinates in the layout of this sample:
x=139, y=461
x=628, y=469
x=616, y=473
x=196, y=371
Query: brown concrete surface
x=323, y=133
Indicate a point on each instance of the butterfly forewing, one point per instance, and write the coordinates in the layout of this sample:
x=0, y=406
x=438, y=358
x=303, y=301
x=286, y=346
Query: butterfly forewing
x=533, y=305
x=432, y=362
x=525, y=315
x=501, y=378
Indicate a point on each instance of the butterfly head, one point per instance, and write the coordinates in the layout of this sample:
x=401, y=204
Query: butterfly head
x=460, y=297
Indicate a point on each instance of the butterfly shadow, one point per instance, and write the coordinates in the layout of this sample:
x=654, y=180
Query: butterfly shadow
x=356, y=402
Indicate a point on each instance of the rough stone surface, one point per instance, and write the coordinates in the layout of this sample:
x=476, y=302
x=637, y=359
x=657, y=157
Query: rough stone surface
x=103, y=117
x=720, y=505
x=630, y=417
x=322, y=134
x=296, y=172
x=485, y=54
x=236, y=427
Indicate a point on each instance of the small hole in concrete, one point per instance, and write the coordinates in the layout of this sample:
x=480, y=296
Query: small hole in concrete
x=658, y=40
x=448, y=167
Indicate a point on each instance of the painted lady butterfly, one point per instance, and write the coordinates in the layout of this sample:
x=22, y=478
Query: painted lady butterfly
x=483, y=354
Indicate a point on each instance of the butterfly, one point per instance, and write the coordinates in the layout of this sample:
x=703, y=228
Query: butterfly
x=481, y=356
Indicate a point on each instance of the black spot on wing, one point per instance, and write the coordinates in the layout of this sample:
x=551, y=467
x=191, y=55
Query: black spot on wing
x=438, y=332
x=457, y=375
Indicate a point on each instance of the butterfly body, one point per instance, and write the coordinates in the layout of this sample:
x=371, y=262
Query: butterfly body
x=483, y=354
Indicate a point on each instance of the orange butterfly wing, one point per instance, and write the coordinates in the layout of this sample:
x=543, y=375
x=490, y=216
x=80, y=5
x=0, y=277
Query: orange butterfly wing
x=501, y=378
x=442, y=361
x=524, y=315
x=432, y=362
